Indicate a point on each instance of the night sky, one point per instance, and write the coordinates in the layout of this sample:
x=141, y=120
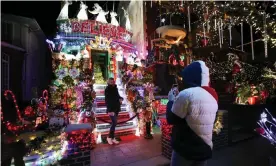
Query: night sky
x=46, y=12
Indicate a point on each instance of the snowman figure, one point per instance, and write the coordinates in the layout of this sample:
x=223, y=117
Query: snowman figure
x=86, y=116
x=58, y=120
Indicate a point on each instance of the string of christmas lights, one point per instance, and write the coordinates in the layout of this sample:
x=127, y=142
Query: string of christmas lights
x=230, y=12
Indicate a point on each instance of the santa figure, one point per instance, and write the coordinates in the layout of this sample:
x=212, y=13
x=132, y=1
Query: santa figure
x=237, y=66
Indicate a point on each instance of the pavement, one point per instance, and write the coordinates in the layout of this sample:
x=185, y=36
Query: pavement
x=137, y=151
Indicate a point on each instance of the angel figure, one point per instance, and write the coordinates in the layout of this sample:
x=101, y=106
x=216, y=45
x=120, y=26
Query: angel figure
x=82, y=15
x=101, y=13
x=63, y=15
x=113, y=19
x=128, y=26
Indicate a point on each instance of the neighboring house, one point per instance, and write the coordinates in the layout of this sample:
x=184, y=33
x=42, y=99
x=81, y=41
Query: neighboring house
x=25, y=57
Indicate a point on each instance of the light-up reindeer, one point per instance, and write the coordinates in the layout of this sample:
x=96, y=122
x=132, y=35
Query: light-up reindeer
x=101, y=13
x=113, y=19
x=63, y=15
x=128, y=26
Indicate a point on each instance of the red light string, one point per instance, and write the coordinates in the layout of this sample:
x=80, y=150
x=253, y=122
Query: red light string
x=15, y=103
x=45, y=95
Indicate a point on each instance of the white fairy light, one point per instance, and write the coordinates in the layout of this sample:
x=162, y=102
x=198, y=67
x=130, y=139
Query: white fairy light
x=268, y=126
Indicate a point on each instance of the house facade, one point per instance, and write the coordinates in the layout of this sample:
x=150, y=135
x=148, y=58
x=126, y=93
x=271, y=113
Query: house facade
x=25, y=57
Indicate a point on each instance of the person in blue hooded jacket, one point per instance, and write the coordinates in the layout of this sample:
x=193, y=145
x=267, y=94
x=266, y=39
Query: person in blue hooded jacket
x=192, y=114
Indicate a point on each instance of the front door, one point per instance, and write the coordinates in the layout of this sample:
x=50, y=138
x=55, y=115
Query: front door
x=100, y=66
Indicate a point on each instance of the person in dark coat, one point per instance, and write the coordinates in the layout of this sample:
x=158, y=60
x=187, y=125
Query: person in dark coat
x=113, y=103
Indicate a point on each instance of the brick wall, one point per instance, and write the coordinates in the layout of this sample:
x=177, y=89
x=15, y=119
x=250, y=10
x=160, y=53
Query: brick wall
x=76, y=159
x=166, y=138
x=219, y=140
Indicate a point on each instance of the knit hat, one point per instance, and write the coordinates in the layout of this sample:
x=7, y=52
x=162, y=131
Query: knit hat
x=195, y=75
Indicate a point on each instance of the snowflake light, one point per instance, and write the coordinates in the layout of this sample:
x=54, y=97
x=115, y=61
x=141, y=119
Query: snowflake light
x=267, y=125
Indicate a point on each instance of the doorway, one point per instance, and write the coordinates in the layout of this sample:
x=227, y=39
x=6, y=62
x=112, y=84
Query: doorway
x=100, y=66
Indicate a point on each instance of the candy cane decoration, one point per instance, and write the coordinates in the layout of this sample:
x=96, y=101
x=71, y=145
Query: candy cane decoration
x=15, y=103
x=45, y=95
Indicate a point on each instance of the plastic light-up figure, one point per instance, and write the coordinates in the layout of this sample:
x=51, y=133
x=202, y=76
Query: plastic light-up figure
x=113, y=19
x=128, y=26
x=63, y=15
x=82, y=15
x=101, y=13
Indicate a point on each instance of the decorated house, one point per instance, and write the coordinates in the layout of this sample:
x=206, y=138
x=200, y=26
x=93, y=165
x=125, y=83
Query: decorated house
x=89, y=52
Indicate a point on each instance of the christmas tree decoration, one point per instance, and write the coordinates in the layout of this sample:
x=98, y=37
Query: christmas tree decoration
x=98, y=75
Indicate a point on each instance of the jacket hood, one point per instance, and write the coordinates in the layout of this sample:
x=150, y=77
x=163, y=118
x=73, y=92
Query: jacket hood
x=195, y=75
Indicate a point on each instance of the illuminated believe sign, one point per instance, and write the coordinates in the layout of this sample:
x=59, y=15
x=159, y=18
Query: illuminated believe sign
x=95, y=28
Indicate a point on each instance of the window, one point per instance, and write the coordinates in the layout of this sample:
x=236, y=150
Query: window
x=7, y=32
x=5, y=78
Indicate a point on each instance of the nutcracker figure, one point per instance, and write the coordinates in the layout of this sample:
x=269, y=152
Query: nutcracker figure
x=148, y=118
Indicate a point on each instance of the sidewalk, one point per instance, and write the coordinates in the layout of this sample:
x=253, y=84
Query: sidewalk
x=136, y=151
x=132, y=151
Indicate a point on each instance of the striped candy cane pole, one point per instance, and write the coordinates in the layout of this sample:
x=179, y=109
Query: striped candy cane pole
x=45, y=95
x=15, y=103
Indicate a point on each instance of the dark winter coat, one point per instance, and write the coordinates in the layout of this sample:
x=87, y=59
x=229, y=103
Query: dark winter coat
x=112, y=99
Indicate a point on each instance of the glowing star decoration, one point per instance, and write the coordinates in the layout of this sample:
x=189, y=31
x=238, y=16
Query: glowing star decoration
x=267, y=125
x=101, y=13
x=74, y=73
x=128, y=26
x=127, y=37
x=113, y=19
x=63, y=15
x=82, y=15
x=61, y=73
